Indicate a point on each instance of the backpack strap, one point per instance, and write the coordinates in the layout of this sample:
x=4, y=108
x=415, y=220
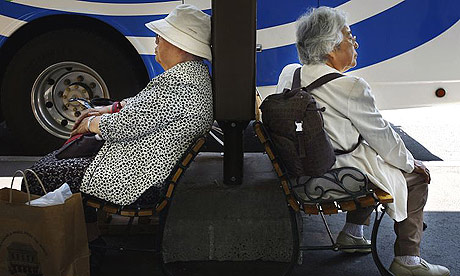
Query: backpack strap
x=322, y=80
x=296, y=79
x=340, y=152
x=317, y=83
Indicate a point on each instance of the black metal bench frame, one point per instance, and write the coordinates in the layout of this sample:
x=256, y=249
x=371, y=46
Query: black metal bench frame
x=365, y=197
x=159, y=209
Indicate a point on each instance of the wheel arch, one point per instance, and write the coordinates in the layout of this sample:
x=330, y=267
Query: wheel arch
x=46, y=24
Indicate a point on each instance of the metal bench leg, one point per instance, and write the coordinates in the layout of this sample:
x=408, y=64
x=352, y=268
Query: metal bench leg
x=335, y=248
x=382, y=269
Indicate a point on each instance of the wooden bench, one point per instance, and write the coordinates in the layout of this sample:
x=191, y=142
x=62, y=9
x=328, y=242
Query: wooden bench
x=343, y=189
x=158, y=209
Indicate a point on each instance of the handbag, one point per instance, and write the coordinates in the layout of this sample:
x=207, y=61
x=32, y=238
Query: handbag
x=47, y=240
x=84, y=145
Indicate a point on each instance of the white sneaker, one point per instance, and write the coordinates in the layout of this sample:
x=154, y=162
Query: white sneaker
x=423, y=269
x=345, y=239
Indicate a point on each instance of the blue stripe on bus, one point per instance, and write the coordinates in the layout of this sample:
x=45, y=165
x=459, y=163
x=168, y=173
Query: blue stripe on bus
x=402, y=28
x=153, y=67
x=270, y=63
x=127, y=25
x=332, y=3
x=406, y=30
x=275, y=12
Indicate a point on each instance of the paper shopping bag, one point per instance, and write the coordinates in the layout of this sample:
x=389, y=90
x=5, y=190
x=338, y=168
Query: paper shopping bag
x=48, y=241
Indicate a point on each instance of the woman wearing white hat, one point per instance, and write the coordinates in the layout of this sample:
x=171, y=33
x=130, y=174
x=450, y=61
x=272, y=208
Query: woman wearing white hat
x=146, y=134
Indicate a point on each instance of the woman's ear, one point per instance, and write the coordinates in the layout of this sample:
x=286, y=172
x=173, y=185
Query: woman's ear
x=330, y=57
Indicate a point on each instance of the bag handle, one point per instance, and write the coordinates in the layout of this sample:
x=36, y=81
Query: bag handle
x=25, y=182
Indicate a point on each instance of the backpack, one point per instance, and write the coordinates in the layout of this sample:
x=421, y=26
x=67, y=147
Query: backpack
x=295, y=124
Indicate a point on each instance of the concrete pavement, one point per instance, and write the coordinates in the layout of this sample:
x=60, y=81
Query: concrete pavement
x=440, y=243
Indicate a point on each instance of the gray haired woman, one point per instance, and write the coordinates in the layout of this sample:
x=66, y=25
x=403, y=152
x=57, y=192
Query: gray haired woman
x=325, y=45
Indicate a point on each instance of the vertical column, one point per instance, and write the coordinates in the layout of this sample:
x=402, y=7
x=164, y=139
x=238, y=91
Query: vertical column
x=233, y=66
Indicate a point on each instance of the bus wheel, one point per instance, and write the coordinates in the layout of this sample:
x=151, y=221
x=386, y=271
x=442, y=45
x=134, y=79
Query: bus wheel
x=50, y=70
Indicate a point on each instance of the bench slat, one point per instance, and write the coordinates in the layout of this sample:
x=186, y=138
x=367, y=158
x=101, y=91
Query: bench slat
x=110, y=209
x=187, y=159
x=161, y=206
x=366, y=201
x=383, y=196
x=177, y=175
x=329, y=208
x=293, y=203
x=128, y=213
x=347, y=205
x=170, y=190
x=311, y=209
x=285, y=186
x=260, y=133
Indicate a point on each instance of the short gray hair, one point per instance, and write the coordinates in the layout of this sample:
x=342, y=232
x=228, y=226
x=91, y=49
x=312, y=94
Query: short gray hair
x=319, y=31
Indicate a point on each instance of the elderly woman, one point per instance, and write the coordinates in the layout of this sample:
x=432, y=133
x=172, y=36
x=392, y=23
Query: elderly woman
x=325, y=44
x=145, y=135
x=148, y=135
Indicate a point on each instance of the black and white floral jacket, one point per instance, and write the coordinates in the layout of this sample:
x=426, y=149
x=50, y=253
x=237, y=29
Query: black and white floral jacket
x=150, y=133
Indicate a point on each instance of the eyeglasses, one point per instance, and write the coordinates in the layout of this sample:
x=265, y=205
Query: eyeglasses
x=352, y=38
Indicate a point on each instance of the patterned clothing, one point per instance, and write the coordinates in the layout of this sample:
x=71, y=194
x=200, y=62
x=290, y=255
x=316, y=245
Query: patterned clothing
x=150, y=133
x=53, y=173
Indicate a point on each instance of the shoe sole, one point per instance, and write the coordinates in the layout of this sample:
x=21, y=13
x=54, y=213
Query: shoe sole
x=360, y=251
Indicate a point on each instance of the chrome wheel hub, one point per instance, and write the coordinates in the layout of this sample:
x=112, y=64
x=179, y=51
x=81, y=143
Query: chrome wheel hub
x=56, y=86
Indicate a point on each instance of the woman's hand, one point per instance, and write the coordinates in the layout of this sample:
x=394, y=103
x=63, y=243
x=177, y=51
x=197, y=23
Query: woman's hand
x=81, y=128
x=420, y=168
x=91, y=112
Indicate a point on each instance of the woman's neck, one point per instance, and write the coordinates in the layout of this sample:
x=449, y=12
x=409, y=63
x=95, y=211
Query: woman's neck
x=178, y=59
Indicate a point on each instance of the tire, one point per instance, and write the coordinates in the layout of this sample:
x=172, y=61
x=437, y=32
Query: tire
x=54, y=67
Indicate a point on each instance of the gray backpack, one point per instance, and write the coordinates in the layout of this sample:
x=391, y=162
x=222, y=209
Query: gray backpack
x=295, y=124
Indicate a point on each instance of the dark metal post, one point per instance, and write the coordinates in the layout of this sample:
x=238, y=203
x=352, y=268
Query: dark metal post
x=233, y=67
x=233, y=151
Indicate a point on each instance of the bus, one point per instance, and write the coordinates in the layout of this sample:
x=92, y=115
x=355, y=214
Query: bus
x=52, y=51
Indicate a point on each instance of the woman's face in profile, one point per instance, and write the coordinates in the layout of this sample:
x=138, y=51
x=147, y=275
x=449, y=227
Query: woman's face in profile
x=163, y=50
x=344, y=56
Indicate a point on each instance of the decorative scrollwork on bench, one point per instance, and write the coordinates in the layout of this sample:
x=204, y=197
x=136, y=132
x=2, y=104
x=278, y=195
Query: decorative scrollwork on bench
x=344, y=183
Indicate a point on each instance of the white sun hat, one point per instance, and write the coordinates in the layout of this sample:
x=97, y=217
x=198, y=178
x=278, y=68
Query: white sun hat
x=187, y=28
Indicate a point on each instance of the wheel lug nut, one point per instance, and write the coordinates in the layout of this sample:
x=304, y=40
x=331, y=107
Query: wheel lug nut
x=49, y=104
x=84, y=91
x=92, y=85
x=64, y=123
x=66, y=81
x=77, y=113
x=80, y=78
x=75, y=109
